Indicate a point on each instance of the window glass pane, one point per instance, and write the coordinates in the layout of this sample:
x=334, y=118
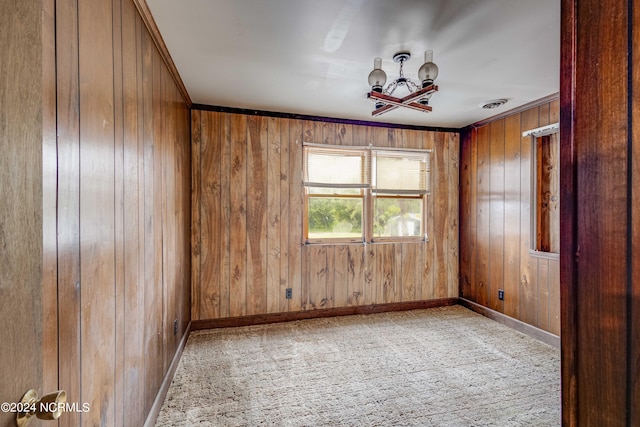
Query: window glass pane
x=334, y=217
x=397, y=217
x=330, y=167
x=400, y=172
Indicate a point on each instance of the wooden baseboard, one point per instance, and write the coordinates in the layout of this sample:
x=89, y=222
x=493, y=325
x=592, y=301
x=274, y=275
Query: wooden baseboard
x=518, y=325
x=261, y=319
x=152, y=416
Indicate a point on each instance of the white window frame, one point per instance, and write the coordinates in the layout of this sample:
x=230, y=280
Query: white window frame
x=369, y=192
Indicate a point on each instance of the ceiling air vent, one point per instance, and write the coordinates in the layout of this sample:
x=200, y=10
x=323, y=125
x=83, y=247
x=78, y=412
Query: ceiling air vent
x=494, y=103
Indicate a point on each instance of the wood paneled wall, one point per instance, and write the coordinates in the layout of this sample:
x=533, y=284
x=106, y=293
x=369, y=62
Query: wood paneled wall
x=123, y=212
x=247, y=222
x=495, y=222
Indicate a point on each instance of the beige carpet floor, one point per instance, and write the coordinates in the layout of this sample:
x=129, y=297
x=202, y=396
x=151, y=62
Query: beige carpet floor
x=436, y=367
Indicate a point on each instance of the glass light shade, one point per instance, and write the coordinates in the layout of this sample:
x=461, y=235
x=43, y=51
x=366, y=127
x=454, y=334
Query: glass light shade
x=377, y=77
x=429, y=70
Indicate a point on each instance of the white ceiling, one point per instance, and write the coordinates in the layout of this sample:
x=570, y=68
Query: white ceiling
x=313, y=57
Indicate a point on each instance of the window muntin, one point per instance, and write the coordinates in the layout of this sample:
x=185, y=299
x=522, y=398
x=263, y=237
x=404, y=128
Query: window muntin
x=360, y=194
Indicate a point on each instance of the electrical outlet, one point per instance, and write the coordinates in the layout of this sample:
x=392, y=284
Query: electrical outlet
x=500, y=294
x=288, y=293
x=175, y=327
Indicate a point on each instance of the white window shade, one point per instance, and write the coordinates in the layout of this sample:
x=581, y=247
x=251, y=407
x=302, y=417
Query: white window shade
x=336, y=168
x=401, y=172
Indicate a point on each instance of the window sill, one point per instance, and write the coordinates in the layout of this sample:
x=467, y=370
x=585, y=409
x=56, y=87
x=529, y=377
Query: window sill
x=379, y=241
x=543, y=255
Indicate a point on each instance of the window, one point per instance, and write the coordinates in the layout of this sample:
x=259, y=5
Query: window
x=335, y=185
x=545, y=186
x=364, y=194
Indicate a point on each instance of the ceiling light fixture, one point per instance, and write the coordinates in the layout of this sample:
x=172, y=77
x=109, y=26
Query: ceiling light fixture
x=419, y=94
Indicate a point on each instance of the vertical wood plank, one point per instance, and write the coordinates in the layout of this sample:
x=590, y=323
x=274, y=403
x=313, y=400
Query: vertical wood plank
x=300, y=296
x=150, y=294
x=370, y=274
x=440, y=216
x=453, y=215
x=341, y=276
x=544, y=117
x=119, y=236
x=273, y=295
x=356, y=269
x=426, y=141
x=184, y=136
x=316, y=272
x=344, y=134
x=385, y=275
x=528, y=121
x=256, y=214
x=157, y=318
x=465, y=216
x=554, y=297
x=378, y=136
x=483, y=216
x=411, y=139
x=97, y=198
x=397, y=272
x=362, y=135
x=329, y=299
x=496, y=214
x=512, y=216
x=327, y=132
x=169, y=247
x=285, y=218
x=534, y=298
x=410, y=271
x=473, y=218
x=395, y=138
x=554, y=111
x=25, y=126
x=225, y=211
x=196, y=232
x=238, y=217
x=210, y=224
x=68, y=195
x=134, y=215
x=543, y=294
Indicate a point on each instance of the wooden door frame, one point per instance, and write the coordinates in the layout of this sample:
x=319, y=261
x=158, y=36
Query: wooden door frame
x=567, y=212
x=599, y=288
